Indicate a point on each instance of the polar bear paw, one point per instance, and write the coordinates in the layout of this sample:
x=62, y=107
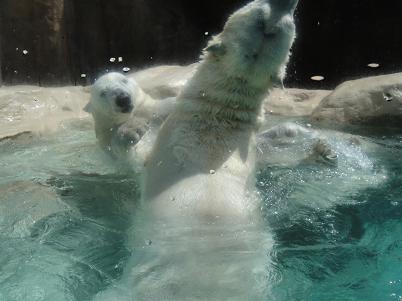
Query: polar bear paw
x=323, y=153
x=130, y=133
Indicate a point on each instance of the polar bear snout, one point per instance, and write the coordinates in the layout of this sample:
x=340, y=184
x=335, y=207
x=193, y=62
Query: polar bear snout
x=124, y=102
x=113, y=94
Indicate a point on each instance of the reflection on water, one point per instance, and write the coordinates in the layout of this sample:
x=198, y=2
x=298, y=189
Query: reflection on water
x=194, y=262
x=66, y=228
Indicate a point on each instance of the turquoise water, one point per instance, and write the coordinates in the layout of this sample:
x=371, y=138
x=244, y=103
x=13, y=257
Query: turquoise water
x=65, y=212
x=349, y=251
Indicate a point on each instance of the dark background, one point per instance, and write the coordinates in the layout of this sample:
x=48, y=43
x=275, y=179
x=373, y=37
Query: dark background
x=336, y=39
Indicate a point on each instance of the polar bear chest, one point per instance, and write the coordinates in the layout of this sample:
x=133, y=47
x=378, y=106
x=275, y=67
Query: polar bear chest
x=205, y=165
x=204, y=147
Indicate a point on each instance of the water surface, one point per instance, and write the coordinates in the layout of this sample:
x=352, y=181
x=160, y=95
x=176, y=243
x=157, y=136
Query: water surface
x=65, y=214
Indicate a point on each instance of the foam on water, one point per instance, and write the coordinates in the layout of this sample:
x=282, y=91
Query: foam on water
x=66, y=228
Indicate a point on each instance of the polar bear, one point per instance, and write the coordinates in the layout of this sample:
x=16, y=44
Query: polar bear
x=200, y=234
x=205, y=151
x=123, y=114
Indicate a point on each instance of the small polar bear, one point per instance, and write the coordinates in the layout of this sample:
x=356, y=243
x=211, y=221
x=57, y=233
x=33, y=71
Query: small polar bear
x=123, y=114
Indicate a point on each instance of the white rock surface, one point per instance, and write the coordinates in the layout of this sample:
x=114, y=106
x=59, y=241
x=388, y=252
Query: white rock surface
x=37, y=109
x=293, y=102
x=164, y=81
x=375, y=101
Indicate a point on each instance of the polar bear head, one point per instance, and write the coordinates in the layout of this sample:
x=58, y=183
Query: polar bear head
x=256, y=41
x=113, y=96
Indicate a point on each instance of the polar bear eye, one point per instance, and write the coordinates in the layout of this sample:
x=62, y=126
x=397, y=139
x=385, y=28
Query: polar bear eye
x=103, y=94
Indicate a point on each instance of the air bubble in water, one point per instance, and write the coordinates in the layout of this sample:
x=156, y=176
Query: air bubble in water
x=126, y=69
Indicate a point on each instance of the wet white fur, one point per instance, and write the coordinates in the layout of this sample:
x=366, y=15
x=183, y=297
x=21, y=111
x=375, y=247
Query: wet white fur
x=204, y=156
x=121, y=134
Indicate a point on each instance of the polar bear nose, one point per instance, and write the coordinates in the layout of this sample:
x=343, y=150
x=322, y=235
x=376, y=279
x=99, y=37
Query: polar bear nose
x=123, y=101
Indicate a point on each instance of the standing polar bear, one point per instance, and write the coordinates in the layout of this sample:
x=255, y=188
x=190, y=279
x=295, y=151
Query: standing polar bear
x=204, y=155
x=200, y=234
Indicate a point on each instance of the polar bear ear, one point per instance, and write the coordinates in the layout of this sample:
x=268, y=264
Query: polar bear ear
x=216, y=49
x=88, y=108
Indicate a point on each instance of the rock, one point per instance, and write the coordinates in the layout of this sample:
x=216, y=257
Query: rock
x=293, y=102
x=36, y=109
x=164, y=81
x=374, y=101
